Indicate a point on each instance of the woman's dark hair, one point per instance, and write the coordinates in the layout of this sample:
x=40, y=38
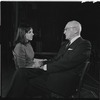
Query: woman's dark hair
x=20, y=34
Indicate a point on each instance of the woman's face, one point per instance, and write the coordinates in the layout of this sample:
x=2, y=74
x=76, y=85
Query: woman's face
x=29, y=34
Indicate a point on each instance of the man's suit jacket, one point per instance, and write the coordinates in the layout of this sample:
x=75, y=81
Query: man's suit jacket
x=62, y=73
x=64, y=70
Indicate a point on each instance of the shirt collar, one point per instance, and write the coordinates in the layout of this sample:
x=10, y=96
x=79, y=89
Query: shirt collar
x=71, y=41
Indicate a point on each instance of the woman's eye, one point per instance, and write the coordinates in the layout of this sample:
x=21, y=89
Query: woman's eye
x=29, y=32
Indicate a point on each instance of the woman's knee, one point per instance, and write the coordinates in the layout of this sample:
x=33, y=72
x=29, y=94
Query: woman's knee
x=21, y=72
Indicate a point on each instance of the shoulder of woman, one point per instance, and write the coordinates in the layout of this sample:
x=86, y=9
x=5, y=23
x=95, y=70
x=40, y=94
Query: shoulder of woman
x=19, y=46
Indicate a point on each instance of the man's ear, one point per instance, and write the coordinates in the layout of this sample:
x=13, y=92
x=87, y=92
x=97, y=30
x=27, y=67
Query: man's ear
x=76, y=29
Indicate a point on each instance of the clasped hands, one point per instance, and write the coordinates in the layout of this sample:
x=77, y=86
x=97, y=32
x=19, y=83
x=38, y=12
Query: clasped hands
x=38, y=63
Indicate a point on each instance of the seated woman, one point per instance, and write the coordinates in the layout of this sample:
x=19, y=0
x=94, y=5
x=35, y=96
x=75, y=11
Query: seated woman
x=25, y=59
x=23, y=49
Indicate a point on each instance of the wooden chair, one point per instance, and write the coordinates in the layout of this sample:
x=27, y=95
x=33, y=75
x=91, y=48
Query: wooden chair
x=78, y=89
x=15, y=60
x=85, y=69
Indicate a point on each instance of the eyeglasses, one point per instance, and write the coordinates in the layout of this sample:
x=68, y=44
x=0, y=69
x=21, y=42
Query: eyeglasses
x=69, y=28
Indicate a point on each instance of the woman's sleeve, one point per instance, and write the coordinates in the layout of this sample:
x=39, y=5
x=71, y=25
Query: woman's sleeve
x=21, y=59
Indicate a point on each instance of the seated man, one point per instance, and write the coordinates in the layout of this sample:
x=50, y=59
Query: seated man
x=60, y=75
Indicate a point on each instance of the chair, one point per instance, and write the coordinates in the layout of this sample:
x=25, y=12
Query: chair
x=82, y=74
x=78, y=89
x=15, y=60
x=85, y=69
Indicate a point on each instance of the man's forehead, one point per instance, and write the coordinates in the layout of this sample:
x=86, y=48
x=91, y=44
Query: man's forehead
x=72, y=24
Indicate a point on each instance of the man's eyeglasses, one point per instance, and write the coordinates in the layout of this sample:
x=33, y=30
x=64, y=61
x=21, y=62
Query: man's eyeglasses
x=69, y=28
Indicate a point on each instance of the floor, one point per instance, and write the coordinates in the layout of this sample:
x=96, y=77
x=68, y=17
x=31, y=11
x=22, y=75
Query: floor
x=90, y=87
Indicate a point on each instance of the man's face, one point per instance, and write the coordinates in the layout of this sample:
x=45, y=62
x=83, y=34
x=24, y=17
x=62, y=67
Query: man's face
x=72, y=29
x=68, y=31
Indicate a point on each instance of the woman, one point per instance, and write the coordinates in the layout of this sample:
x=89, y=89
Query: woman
x=23, y=49
x=25, y=59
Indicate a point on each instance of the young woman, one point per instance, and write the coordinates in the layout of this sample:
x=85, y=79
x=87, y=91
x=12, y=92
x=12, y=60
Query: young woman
x=25, y=60
x=23, y=49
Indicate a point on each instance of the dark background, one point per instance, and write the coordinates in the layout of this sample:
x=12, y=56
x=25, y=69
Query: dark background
x=48, y=20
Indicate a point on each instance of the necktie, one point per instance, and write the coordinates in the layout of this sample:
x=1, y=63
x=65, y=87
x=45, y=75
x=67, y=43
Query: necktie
x=67, y=46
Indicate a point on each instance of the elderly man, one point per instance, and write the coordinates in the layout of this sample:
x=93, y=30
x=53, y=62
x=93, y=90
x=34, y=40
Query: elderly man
x=60, y=75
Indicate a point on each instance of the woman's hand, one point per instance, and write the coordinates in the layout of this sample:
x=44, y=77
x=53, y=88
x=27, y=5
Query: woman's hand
x=38, y=63
x=35, y=59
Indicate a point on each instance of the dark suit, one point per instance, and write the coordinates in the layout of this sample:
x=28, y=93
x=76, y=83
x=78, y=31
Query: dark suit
x=62, y=73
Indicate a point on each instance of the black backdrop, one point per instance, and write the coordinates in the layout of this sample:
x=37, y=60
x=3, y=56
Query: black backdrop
x=48, y=20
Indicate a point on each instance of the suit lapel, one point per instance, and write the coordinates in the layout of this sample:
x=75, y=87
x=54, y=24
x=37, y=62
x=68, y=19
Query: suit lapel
x=62, y=50
x=76, y=42
x=73, y=45
x=66, y=46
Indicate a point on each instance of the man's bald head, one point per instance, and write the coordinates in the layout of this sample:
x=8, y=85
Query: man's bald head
x=72, y=29
x=75, y=24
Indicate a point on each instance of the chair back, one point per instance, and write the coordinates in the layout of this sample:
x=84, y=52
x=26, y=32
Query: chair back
x=85, y=69
x=15, y=60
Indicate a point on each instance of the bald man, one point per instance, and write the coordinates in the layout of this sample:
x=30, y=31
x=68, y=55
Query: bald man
x=60, y=75
x=64, y=70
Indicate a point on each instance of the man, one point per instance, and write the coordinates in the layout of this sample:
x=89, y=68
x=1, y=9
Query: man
x=64, y=70
x=61, y=75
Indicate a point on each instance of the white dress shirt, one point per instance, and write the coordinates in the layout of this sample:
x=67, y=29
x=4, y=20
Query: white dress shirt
x=71, y=41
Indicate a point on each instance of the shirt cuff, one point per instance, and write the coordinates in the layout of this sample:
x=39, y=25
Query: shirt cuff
x=45, y=67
